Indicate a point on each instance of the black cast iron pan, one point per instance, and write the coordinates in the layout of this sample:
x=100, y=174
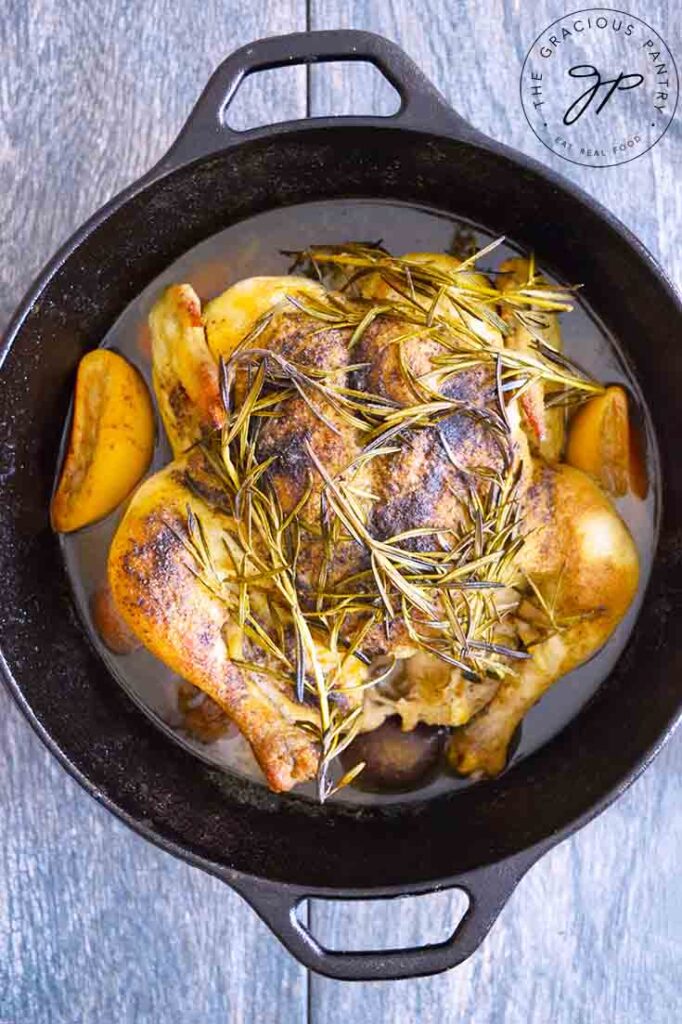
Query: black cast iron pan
x=275, y=851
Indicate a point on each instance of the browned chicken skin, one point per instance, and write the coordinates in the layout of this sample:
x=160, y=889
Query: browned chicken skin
x=578, y=562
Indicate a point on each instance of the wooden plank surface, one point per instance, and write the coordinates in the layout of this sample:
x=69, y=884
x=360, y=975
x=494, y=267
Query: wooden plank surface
x=97, y=926
x=594, y=931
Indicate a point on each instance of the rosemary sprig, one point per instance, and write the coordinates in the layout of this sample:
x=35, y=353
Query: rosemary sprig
x=447, y=304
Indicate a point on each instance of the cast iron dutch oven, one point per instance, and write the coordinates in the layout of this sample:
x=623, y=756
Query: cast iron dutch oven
x=273, y=850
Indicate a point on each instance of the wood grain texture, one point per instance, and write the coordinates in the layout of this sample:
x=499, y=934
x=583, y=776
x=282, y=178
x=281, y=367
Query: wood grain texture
x=96, y=926
x=594, y=931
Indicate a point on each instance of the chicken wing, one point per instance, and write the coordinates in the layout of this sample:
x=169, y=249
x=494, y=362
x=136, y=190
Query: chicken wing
x=184, y=373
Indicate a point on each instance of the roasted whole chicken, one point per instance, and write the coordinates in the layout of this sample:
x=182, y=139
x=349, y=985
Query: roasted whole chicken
x=367, y=514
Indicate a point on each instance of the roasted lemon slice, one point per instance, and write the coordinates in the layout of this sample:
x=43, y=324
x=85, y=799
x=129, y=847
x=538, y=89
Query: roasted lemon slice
x=111, y=442
x=599, y=440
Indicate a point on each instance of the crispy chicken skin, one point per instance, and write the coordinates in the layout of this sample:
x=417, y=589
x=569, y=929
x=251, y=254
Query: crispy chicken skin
x=578, y=554
x=182, y=623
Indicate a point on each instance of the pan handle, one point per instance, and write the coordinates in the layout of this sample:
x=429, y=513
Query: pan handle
x=422, y=106
x=488, y=890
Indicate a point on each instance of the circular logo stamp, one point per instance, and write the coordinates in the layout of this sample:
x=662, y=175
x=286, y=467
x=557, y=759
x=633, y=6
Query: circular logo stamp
x=599, y=87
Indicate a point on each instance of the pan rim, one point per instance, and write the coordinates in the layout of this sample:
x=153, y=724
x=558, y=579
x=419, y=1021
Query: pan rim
x=154, y=177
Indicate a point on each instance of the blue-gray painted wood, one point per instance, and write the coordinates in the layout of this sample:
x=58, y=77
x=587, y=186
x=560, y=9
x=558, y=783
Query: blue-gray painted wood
x=593, y=934
x=95, y=925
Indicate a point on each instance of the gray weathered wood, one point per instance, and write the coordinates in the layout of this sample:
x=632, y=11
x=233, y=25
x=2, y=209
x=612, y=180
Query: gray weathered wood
x=96, y=926
x=594, y=932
